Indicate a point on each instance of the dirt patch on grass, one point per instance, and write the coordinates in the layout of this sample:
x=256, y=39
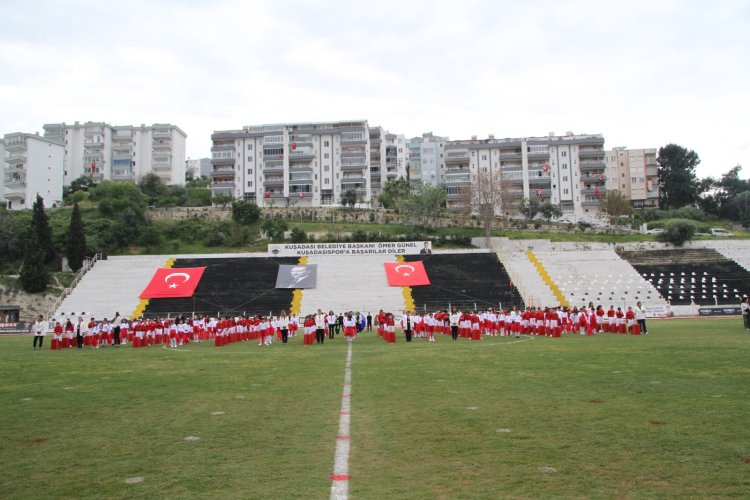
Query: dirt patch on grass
x=35, y=440
x=597, y=401
x=656, y=422
x=746, y=460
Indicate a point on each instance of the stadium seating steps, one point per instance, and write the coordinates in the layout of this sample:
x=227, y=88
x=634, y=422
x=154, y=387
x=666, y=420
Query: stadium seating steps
x=230, y=286
x=684, y=276
x=466, y=281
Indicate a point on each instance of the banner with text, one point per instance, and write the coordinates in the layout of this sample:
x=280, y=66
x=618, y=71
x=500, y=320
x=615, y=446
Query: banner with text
x=379, y=248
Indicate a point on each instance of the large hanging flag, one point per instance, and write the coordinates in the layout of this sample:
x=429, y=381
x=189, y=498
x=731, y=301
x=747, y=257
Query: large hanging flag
x=173, y=282
x=406, y=273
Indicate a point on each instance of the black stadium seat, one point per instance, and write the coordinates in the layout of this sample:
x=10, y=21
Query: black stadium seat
x=466, y=281
x=230, y=286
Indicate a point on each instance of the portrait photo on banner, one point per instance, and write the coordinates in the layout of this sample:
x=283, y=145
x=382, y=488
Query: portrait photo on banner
x=297, y=276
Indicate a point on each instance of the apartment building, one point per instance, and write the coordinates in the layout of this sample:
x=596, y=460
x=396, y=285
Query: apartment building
x=568, y=171
x=633, y=172
x=31, y=165
x=296, y=164
x=425, y=159
x=102, y=151
x=199, y=167
x=387, y=158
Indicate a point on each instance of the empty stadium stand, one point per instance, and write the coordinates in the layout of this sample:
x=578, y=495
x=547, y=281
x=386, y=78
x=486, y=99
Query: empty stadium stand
x=355, y=283
x=230, y=286
x=466, y=280
x=697, y=275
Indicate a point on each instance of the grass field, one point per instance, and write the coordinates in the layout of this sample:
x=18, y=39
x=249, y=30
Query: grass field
x=607, y=416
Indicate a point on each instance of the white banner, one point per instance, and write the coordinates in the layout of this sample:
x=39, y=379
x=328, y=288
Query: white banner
x=379, y=248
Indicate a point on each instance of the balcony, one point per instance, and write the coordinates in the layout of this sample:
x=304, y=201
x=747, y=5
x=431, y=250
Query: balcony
x=592, y=190
x=539, y=179
x=223, y=171
x=537, y=155
x=300, y=182
x=162, y=145
x=593, y=179
x=95, y=130
x=161, y=165
x=542, y=192
x=353, y=168
x=122, y=175
x=301, y=157
x=222, y=161
x=222, y=184
x=93, y=144
x=357, y=142
x=273, y=169
x=651, y=171
x=590, y=203
x=592, y=165
x=391, y=175
x=515, y=181
x=16, y=159
x=301, y=167
x=269, y=157
x=510, y=155
x=17, y=179
x=223, y=147
x=354, y=154
x=375, y=185
x=457, y=159
x=161, y=133
x=273, y=182
x=590, y=153
x=353, y=178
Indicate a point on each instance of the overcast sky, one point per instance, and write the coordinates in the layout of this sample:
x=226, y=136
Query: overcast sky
x=643, y=73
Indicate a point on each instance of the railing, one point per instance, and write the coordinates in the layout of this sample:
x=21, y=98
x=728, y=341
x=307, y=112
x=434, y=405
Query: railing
x=87, y=265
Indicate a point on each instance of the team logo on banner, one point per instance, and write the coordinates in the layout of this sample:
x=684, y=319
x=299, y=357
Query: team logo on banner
x=406, y=274
x=173, y=282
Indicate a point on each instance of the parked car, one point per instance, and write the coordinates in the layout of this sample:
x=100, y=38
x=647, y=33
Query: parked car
x=717, y=231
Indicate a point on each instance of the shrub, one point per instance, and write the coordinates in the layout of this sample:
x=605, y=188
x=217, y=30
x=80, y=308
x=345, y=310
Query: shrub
x=677, y=233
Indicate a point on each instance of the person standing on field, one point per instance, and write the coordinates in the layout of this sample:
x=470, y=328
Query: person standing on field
x=745, y=308
x=320, y=325
x=39, y=328
x=640, y=317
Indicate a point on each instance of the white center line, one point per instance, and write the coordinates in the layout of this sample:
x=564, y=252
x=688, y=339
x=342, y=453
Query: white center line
x=340, y=476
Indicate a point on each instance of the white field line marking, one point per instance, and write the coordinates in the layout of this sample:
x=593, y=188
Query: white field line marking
x=340, y=476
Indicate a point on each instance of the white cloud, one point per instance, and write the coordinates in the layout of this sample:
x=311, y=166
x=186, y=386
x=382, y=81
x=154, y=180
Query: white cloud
x=642, y=73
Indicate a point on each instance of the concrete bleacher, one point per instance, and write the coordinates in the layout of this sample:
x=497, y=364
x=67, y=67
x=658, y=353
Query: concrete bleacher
x=533, y=289
x=355, y=283
x=692, y=275
x=468, y=280
x=112, y=285
x=736, y=250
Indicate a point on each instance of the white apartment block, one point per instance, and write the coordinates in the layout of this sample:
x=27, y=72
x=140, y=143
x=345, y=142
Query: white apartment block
x=31, y=165
x=199, y=167
x=387, y=158
x=633, y=172
x=120, y=153
x=568, y=170
x=425, y=159
x=297, y=164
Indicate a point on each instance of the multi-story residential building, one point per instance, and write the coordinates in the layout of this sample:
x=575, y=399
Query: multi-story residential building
x=199, y=167
x=633, y=172
x=387, y=158
x=568, y=171
x=310, y=164
x=121, y=153
x=425, y=159
x=32, y=165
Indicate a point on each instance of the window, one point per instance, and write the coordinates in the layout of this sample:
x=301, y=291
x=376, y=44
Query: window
x=564, y=154
x=325, y=168
x=326, y=156
x=565, y=166
x=326, y=144
x=484, y=157
x=249, y=147
x=565, y=178
x=326, y=181
x=249, y=159
x=565, y=191
x=249, y=183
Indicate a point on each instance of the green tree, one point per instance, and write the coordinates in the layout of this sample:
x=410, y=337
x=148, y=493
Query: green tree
x=150, y=237
x=298, y=235
x=677, y=233
x=349, y=198
x=245, y=212
x=615, y=205
x=152, y=186
x=42, y=231
x=34, y=276
x=76, y=244
x=393, y=192
x=550, y=210
x=678, y=184
x=530, y=207
x=424, y=205
x=274, y=228
x=221, y=199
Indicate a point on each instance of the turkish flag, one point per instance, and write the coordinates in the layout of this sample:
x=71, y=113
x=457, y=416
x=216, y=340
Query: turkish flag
x=406, y=274
x=170, y=282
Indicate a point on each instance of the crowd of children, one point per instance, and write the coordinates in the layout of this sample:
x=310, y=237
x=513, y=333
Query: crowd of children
x=179, y=331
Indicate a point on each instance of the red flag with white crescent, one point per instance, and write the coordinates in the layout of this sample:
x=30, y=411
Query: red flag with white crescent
x=173, y=282
x=406, y=273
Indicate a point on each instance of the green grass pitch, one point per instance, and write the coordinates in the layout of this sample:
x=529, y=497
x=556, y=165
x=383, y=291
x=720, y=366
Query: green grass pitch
x=608, y=416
